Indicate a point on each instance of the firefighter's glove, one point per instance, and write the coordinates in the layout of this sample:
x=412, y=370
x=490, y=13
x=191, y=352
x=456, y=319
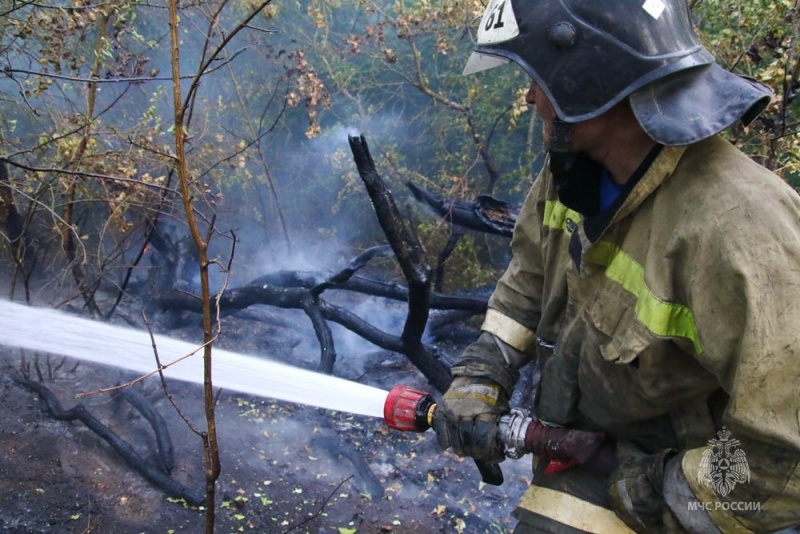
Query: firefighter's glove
x=637, y=488
x=467, y=418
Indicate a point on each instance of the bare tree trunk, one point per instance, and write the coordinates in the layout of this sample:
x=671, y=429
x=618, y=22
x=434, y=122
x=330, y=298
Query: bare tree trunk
x=416, y=271
x=78, y=261
x=210, y=445
x=10, y=219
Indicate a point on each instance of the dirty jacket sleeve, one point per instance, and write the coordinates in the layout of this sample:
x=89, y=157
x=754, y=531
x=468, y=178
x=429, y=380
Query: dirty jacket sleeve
x=515, y=306
x=743, y=285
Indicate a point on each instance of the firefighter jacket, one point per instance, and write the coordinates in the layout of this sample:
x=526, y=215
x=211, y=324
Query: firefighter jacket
x=675, y=316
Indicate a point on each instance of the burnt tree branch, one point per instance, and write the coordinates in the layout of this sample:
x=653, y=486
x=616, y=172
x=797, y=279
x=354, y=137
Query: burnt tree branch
x=293, y=298
x=484, y=214
x=356, y=324
x=282, y=297
x=412, y=263
x=348, y=272
x=79, y=412
x=375, y=288
x=166, y=452
x=323, y=332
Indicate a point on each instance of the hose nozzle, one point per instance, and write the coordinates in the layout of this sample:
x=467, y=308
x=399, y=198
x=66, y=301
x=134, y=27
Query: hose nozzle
x=408, y=409
x=411, y=410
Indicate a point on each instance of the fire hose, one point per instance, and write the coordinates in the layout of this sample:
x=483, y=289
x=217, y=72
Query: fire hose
x=410, y=410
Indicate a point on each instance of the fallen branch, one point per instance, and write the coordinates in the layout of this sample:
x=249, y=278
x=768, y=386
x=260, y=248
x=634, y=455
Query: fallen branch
x=375, y=288
x=79, y=412
x=346, y=273
x=166, y=453
x=272, y=290
x=323, y=332
x=484, y=214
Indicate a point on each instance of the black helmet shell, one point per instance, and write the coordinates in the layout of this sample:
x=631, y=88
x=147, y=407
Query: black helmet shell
x=588, y=55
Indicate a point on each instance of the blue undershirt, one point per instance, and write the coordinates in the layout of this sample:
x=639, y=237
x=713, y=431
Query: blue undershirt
x=609, y=190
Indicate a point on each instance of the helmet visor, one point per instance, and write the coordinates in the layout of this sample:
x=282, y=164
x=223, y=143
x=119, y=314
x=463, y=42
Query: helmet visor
x=478, y=62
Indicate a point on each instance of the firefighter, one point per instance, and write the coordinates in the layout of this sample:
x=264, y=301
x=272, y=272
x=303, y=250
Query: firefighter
x=655, y=277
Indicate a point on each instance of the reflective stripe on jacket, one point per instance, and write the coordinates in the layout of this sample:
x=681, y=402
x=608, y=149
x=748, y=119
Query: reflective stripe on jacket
x=679, y=318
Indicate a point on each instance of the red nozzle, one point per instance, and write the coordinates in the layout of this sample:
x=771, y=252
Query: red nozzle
x=408, y=409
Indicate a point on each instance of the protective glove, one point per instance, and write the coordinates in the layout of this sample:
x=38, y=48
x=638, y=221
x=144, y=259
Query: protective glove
x=636, y=488
x=467, y=416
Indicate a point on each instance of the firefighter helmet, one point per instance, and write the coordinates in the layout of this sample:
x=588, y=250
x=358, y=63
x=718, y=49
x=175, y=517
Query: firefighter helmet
x=589, y=55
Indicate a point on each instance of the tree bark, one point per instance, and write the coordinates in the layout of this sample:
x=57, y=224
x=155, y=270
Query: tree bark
x=412, y=263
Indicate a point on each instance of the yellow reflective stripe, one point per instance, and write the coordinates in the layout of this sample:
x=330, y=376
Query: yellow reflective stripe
x=571, y=511
x=518, y=336
x=660, y=317
x=556, y=215
x=484, y=393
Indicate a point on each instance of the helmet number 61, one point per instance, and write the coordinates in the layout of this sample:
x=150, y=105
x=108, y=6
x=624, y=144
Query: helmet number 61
x=491, y=23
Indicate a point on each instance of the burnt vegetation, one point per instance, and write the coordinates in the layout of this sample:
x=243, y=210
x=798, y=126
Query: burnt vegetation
x=185, y=169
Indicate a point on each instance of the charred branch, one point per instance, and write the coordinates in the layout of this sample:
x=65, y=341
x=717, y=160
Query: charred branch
x=412, y=263
x=244, y=297
x=317, y=310
x=166, y=453
x=79, y=412
x=484, y=214
x=347, y=273
x=405, y=248
x=375, y=288
x=323, y=332
x=356, y=324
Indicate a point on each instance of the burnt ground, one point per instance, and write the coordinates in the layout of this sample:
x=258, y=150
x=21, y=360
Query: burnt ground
x=285, y=468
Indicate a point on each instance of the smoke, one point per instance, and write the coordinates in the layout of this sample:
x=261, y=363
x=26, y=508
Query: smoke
x=302, y=209
x=353, y=350
x=334, y=138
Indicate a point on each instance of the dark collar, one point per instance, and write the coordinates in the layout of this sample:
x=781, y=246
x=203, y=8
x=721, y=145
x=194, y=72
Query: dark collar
x=595, y=225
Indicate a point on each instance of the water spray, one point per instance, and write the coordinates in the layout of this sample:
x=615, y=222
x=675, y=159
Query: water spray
x=404, y=408
x=56, y=332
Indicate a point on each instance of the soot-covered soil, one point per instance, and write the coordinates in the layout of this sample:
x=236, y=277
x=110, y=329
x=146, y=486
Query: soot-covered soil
x=285, y=468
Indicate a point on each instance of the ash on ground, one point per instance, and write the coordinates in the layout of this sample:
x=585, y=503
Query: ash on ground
x=285, y=467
